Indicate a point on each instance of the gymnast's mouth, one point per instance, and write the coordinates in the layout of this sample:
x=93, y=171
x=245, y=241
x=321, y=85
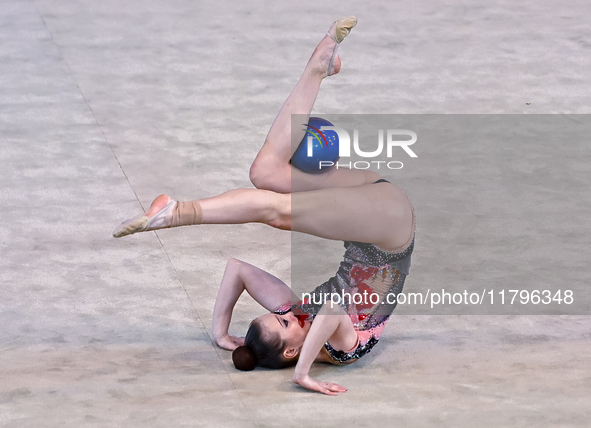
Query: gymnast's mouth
x=302, y=320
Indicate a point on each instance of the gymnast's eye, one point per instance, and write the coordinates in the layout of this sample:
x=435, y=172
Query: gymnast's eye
x=285, y=322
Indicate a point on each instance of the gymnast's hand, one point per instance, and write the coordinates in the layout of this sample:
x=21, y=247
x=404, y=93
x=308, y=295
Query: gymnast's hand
x=229, y=342
x=313, y=385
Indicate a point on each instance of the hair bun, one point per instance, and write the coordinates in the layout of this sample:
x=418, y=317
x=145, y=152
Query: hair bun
x=243, y=358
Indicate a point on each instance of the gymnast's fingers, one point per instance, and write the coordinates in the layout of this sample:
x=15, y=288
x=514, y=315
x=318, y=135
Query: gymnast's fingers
x=334, y=387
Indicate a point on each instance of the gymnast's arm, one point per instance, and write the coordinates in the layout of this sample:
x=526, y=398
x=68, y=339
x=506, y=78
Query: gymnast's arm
x=331, y=323
x=268, y=290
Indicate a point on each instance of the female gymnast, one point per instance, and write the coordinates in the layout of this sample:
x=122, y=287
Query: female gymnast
x=378, y=230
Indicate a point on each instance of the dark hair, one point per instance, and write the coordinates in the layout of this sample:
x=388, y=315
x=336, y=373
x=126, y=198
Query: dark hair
x=262, y=351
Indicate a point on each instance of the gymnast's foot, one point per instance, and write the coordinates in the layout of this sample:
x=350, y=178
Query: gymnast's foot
x=341, y=28
x=326, y=55
x=159, y=216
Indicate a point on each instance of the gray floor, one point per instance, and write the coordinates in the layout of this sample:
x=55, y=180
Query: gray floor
x=104, y=105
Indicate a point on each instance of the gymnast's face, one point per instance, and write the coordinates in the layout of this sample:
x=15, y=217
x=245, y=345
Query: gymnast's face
x=291, y=331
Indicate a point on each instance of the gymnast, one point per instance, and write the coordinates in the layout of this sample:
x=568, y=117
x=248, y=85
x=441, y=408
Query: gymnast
x=374, y=218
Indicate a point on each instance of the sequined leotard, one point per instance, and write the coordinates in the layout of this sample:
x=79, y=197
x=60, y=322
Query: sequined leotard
x=366, y=270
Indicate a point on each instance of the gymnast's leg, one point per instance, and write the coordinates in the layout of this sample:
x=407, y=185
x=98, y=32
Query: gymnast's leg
x=364, y=213
x=271, y=169
x=380, y=213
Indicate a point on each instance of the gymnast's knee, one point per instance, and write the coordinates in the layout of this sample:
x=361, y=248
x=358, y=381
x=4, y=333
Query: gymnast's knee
x=265, y=178
x=257, y=175
x=280, y=217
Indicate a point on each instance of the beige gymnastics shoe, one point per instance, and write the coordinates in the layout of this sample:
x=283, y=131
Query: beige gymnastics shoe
x=338, y=31
x=142, y=223
x=341, y=28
